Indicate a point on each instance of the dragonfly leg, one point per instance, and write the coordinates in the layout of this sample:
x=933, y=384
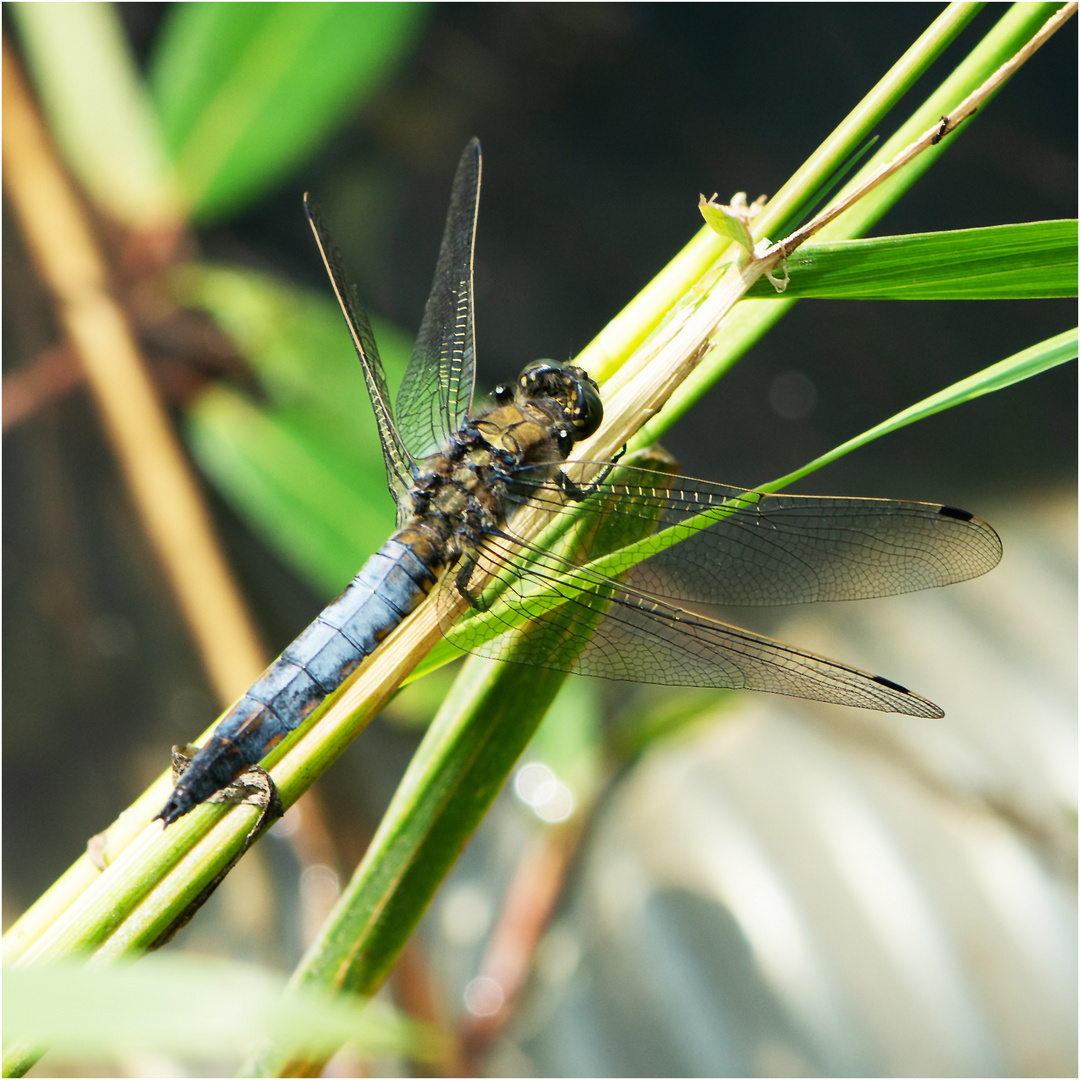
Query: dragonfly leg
x=461, y=583
x=576, y=493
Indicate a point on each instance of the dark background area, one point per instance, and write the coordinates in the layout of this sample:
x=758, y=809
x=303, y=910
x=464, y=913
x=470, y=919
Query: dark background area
x=600, y=126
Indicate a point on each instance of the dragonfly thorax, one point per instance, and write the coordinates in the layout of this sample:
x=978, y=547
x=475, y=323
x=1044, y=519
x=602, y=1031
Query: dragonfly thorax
x=462, y=493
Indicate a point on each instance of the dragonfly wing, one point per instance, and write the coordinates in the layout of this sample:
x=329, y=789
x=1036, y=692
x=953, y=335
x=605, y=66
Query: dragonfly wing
x=595, y=626
x=737, y=547
x=643, y=538
x=437, y=390
x=395, y=455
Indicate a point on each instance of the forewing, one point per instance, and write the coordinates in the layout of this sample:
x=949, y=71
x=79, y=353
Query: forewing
x=736, y=547
x=395, y=455
x=437, y=390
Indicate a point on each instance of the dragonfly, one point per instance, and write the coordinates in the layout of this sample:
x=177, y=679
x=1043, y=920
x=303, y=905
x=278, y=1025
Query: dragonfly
x=462, y=479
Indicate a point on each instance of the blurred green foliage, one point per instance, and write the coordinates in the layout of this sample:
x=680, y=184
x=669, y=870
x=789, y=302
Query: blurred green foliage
x=244, y=92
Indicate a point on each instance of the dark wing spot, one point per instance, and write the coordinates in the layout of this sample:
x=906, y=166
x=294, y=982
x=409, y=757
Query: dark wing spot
x=891, y=685
x=953, y=512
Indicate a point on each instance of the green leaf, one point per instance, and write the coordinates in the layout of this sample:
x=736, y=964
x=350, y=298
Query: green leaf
x=489, y=718
x=280, y=474
x=1004, y=262
x=729, y=222
x=196, y=1008
x=246, y=92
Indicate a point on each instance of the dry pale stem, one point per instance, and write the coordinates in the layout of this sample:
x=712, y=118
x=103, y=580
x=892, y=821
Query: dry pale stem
x=53, y=222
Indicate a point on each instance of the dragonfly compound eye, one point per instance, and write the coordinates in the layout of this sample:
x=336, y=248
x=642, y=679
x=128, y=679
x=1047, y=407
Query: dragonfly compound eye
x=572, y=388
x=586, y=410
x=542, y=378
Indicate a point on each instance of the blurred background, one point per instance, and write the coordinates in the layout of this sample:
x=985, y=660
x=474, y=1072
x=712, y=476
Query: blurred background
x=749, y=886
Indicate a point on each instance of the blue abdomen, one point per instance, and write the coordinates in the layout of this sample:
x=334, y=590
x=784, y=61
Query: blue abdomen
x=391, y=584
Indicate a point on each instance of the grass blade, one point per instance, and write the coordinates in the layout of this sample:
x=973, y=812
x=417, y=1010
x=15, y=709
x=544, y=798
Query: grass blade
x=1026, y=261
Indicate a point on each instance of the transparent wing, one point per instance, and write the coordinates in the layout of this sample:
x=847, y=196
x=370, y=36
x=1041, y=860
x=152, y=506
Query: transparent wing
x=437, y=390
x=395, y=453
x=736, y=547
x=638, y=638
x=608, y=615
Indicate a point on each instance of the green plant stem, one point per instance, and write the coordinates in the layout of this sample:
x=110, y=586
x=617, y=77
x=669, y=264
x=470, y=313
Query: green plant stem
x=753, y=318
x=629, y=329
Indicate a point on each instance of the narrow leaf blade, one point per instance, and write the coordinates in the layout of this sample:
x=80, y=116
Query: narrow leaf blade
x=1034, y=260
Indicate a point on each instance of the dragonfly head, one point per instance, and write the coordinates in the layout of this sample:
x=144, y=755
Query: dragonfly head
x=570, y=387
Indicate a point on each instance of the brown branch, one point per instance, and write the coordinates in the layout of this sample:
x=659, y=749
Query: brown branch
x=50, y=375
x=66, y=253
